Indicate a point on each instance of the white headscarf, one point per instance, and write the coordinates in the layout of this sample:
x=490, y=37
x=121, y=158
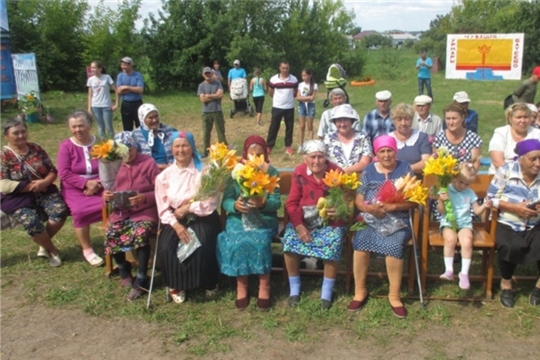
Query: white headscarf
x=144, y=110
x=312, y=146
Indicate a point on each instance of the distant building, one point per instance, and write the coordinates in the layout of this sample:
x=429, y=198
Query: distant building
x=399, y=39
x=363, y=34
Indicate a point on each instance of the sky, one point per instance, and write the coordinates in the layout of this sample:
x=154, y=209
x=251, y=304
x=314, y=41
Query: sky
x=378, y=15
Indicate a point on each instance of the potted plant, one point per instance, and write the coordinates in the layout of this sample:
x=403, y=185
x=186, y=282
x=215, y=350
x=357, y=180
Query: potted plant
x=30, y=106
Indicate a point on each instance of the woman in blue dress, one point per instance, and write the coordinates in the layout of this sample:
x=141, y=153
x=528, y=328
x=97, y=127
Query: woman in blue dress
x=386, y=169
x=244, y=252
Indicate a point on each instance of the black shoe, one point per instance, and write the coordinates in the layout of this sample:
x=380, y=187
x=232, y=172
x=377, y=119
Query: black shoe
x=507, y=298
x=534, y=298
x=326, y=304
x=294, y=300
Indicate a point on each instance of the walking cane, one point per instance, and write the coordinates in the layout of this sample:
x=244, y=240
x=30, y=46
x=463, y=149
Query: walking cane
x=416, y=260
x=153, y=266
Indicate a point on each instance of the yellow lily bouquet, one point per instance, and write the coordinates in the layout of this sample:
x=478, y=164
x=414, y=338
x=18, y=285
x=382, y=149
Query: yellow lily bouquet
x=110, y=155
x=222, y=162
x=254, y=181
x=341, y=191
x=253, y=178
x=444, y=166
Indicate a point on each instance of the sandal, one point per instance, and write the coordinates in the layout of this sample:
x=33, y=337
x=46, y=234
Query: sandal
x=178, y=296
x=95, y=260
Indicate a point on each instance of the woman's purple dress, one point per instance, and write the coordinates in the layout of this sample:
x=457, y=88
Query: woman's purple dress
x=75, y=168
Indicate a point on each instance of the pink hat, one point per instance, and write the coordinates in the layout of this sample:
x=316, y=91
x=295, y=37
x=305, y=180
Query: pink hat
x=384, y=141
x=536, y=71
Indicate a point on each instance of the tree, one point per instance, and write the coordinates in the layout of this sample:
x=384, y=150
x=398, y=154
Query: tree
x=54, y=31
x=187, y=35
x=111, y=35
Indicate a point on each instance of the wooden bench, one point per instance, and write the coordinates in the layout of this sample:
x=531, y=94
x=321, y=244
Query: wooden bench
x=484, y=237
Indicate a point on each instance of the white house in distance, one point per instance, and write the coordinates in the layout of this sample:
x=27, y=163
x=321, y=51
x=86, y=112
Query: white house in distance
x=398, y=37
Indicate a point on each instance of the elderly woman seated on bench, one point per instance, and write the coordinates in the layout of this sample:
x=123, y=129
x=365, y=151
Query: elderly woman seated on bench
x=303, y=235
x=134, y=215
x=515, y=190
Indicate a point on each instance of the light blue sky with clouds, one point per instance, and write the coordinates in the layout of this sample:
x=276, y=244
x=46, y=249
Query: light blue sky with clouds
x=378, y=15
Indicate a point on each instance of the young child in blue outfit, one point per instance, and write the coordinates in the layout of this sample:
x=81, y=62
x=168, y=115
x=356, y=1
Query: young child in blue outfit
x=462, y=198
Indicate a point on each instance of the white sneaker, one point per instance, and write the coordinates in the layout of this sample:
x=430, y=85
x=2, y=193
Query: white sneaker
x=42, y=253
x=300, y=149
x=54, y=260
x=95, y=260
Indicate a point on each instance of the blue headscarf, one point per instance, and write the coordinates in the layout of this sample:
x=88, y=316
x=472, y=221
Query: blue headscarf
x=127, y=138
x=189, y=136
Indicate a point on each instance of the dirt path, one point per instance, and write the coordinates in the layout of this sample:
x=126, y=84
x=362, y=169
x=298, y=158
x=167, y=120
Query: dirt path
x=32, y=331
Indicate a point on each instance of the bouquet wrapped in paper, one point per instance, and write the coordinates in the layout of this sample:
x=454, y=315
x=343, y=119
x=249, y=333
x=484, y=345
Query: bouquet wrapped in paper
x=254, y=181
x=213, y=181
x=341, y=192
x=444, y=166
x=405, y=189
x=110, y=155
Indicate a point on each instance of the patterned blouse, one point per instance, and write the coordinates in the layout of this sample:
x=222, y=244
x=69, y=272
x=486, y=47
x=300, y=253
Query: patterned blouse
x=336, y=154
x=461, y=151
x=36, y=157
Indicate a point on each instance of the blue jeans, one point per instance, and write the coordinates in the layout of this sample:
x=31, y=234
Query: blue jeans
x=427, y=83
x=104, y=118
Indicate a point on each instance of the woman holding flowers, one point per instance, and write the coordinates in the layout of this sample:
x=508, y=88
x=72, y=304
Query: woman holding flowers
x=305, y=235
x=27, y=178
x=79, y=181
x=154, y=137
x=465, y=145
x=346, y=147
x=504, y=140
x=242, y=252
x=131, y=224
x=369, y=199
x=182, y=216
x=514, y=188
x=413, y=145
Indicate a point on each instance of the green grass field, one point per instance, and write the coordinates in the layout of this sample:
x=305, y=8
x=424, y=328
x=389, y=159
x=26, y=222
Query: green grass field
x=209, y=326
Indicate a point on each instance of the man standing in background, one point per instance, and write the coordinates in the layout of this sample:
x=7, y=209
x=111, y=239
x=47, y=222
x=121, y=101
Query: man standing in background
x=130, y=86
x=282, y=89
x=424, y=65
x=210, y=92
x=236, y=73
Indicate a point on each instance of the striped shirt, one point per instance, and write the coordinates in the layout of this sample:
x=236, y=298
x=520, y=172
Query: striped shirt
x=284, y=91
x=508, y=185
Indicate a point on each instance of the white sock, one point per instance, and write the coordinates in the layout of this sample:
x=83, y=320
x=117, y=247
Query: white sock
x=465, y=266
x=449, y=263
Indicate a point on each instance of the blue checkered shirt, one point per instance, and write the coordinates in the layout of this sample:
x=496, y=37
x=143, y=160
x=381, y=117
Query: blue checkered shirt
x=376, y=125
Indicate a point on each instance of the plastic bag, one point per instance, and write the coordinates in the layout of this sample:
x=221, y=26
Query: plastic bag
x=252, y=219
x=185, y=250
x=386, y=226
x=311, y=217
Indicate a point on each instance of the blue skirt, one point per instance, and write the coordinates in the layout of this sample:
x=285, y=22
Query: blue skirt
x=326, y=242
x=241, y=252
